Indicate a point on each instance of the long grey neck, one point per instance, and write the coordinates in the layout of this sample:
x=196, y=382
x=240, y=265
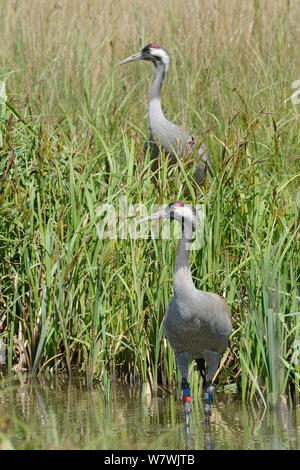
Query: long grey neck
x=160, y=72
x=183, y=282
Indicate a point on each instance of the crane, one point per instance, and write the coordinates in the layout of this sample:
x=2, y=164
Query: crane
x=163, y=133
x=197, y=323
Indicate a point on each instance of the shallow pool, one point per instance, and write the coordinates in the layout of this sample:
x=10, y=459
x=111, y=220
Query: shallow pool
x=54, y=412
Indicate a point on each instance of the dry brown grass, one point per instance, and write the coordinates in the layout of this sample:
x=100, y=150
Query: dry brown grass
x=49, y=46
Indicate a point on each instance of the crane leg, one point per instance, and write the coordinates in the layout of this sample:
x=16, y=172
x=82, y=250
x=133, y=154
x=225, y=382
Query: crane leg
x=182, y=360
x=209, y=396
x=212, y=359
x=186, y=398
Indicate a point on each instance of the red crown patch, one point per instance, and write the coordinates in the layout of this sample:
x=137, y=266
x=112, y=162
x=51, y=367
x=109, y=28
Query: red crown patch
x=179, y=203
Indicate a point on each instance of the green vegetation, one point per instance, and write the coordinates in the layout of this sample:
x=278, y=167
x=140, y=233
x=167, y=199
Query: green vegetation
x=73, y=130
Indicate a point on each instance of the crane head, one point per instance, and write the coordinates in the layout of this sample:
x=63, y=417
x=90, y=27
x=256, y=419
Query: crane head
x=183, y=212
x=153, y=52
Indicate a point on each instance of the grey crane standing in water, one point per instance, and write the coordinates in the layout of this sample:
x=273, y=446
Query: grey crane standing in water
x=197, y=323
x=164, y=133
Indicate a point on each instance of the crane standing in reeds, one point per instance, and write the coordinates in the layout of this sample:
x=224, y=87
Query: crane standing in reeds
x=197, y=323
x=163, y=133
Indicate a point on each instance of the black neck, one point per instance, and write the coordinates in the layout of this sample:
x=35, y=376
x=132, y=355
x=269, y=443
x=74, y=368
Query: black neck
x=160, y=73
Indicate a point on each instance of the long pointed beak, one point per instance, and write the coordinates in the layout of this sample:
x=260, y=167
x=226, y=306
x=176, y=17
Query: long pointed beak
x=137, y=56
x=157, y=215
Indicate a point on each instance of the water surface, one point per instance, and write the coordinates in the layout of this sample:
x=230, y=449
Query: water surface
x=54, y=412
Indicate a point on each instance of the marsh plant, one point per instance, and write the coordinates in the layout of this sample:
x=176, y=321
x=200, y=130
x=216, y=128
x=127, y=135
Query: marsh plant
x=73, y=129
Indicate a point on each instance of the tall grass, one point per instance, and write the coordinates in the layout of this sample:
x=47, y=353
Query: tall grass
x=73, y=130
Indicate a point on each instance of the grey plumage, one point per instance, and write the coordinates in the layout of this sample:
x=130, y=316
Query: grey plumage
x=163, y=133
x=197, y=323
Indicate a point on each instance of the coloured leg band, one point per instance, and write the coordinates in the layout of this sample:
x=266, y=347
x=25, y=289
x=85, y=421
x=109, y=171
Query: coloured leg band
x=209, y=395
x=186, y=398
x=186, y=394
